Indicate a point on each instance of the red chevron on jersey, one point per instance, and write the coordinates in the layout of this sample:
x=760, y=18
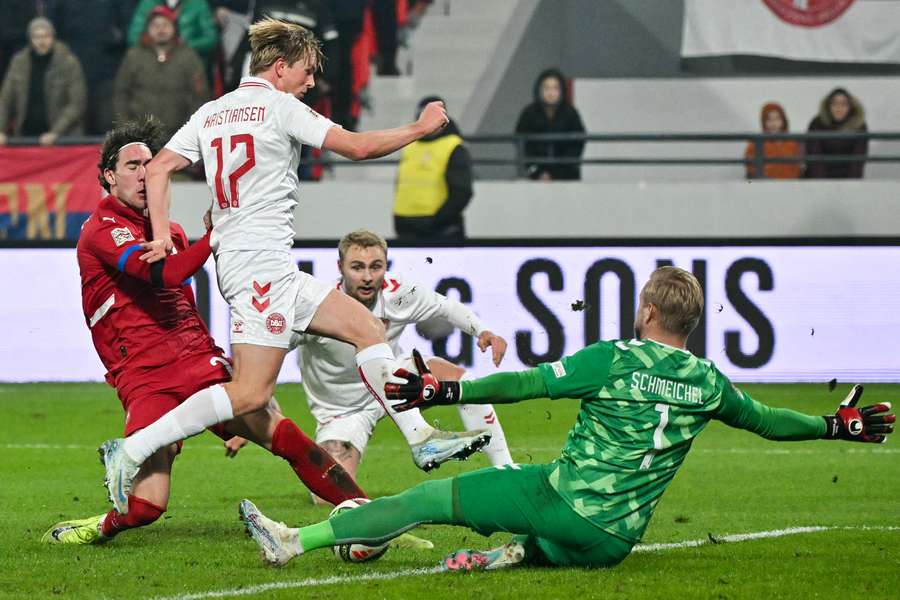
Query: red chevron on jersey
x=260, y=306
x=262, y=290
x=491, y=418
x=395, y=285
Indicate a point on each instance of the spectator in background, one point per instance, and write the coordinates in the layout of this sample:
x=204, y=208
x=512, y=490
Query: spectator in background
x=774, y=120
x=348, y=19
x=311, y=14
x=434, y=186
x=44, y=92
x=384, y=16
x=95, y=32
x=160, y=76
x=551, y=112
x=13, y=26
x=839, y=112
x=196, y=25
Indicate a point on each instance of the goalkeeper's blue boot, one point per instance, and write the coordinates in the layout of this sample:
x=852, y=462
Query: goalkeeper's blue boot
x=278, y=542
x=441, y=446
x=120, y=473
x=81, y=531
x=507, y=555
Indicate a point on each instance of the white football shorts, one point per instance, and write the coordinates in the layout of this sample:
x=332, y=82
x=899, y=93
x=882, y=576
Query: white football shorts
x=354, y=428
x=269, y=297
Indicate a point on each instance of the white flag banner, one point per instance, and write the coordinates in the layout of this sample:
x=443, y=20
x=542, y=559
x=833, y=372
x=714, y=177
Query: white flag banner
x=860, y=31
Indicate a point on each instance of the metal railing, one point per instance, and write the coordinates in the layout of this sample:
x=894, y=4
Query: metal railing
x=520, y=160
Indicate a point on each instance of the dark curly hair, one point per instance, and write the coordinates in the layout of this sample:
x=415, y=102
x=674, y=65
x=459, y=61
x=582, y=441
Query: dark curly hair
x=146, y=129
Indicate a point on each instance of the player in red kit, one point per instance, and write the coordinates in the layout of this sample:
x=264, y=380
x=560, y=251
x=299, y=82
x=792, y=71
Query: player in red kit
x=156, y=349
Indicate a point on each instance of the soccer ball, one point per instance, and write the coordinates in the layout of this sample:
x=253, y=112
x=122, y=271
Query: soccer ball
x=356, y=553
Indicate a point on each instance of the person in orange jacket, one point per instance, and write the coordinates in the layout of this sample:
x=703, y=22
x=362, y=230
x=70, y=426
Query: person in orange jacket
x=774, y=120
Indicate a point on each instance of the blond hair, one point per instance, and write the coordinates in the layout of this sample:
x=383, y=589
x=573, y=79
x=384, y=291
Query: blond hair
x=678, y=297
x=362, y=238
x=271, y=39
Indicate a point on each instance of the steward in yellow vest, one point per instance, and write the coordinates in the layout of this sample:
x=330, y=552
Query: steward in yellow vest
x=434, y=186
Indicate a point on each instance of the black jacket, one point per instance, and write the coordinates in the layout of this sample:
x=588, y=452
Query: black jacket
x=565, y=119
x=823, y=122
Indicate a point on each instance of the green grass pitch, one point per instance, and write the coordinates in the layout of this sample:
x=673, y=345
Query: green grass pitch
x=732, y=482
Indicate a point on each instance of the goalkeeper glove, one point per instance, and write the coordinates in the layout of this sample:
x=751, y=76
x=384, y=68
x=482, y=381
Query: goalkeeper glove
x=866, y=424
x=421, y=389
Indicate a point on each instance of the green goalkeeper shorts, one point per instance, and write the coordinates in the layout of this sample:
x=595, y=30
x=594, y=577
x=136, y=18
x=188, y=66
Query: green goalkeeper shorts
x=519, y=499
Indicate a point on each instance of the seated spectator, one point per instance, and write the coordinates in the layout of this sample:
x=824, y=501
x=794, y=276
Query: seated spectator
x=434, y=186
x=841, y=113
x=774, y=120
x=44, y=92
x=196, y=25
x=551, y=112
x=160, y=76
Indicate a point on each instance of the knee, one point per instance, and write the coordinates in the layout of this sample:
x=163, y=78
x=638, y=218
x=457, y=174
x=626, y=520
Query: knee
x=245, y=398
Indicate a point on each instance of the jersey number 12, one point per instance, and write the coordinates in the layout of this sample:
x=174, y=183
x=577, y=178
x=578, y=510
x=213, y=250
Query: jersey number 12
x=242, y=138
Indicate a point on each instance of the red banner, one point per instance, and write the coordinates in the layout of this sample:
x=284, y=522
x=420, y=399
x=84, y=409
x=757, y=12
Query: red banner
x=47, y=193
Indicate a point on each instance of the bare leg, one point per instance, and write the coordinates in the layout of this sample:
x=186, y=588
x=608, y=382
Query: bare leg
x=345, y=455
x=323, y=476
x=149, y=496
x=343, y=318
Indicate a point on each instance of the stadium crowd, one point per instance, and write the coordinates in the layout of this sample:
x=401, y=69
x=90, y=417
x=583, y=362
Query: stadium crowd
x=167, y=57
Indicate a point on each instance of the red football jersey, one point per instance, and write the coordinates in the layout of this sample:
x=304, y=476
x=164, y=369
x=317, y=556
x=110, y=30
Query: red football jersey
x=134, y=323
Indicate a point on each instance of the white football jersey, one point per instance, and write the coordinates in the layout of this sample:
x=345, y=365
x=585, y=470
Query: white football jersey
x=249, y=140
x=328, y=367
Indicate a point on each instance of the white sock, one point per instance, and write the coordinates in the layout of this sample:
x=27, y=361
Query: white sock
x=376, y=367
x=204, y=409
x=482, y=416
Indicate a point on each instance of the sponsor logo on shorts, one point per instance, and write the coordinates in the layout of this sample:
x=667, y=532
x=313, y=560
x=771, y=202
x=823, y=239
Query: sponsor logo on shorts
x=120, y=235
x=237, y=327
x=276, y=323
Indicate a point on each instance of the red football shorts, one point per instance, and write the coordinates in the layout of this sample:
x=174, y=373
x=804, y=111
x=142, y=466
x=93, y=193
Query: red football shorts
x=149, y=393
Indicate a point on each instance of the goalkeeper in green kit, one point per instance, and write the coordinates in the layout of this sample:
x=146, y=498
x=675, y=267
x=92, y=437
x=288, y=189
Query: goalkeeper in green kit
x=643, y=401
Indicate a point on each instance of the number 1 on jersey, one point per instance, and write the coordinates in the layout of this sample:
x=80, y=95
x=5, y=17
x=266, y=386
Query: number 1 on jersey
x=663, y=410
x=242, y=138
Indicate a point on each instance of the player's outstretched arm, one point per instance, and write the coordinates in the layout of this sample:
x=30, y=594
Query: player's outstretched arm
x=375, y=144
x=423, y=389
x=159, y=195
x=871, y=423
x=866, y=424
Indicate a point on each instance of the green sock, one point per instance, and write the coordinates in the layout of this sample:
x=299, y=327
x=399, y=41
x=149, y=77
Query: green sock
x=381, y=520
x=312, y=537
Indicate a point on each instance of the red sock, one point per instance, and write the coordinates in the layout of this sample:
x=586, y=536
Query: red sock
x=313, y=465
x=140, y=512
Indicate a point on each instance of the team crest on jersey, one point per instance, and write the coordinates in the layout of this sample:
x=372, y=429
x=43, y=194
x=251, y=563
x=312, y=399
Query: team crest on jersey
x=276, y=323
x=120, y=235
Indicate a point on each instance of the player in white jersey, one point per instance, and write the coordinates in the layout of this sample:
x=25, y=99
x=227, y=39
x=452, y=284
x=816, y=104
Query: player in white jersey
x=250, y=141
x=345, y=412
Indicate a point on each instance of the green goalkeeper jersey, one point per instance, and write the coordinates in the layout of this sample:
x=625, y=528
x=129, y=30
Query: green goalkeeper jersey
x=642, y=405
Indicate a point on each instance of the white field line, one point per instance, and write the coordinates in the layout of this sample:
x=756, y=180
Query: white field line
x=338, y=579
x=251, y=590
x=836, y=449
